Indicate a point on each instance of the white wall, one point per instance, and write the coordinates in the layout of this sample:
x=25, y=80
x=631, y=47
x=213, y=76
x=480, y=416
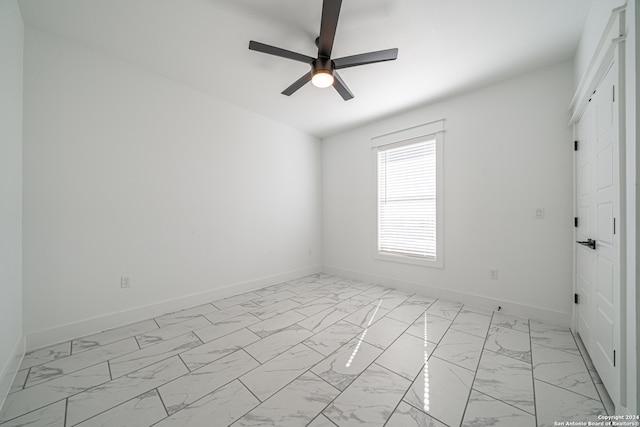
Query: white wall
x=129, y=174
x=507, y=150
x=11, y=52
x=592, y=32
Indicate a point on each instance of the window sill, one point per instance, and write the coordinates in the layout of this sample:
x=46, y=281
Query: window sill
x=403, y=259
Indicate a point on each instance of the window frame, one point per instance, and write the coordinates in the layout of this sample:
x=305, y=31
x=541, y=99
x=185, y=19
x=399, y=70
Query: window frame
x=397, y=139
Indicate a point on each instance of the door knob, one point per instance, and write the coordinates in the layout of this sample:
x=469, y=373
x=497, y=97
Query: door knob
x=590, y=243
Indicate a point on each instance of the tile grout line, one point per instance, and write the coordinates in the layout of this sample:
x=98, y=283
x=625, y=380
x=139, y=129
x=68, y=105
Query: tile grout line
x=112, y=407
x=570, y=391
x=120, y=404
x=185, y=364
x=204, y=396
x=593, y=381
x=533, y=377
x=330, y=401
x=48, y=361
x=510, y=357
x=278, y=354
x=66, y=410
x=249, y=411
x=163, y=404
x=24, y=383
x=559, y=349
x=62, y=376
x=260, y=400
x=475, y=372
x=422, y=411
x=195, y=331
x=395, y=408
x=110, y=342
x=321, y=415
x=506, y=403
x=198, y=338
x=588, y=371
x=251, y=356
x=328, y=383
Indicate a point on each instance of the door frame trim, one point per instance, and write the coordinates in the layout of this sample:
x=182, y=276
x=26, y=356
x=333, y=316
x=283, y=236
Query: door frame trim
x=610, y=48
x=612, y=37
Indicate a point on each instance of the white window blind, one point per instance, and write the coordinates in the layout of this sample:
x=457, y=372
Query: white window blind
x=407, y=199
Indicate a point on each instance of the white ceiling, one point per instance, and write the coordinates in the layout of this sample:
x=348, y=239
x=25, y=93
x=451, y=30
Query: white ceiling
x=445, y=47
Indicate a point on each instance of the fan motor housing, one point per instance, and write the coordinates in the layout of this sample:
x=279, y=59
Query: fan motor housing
x=322, y=64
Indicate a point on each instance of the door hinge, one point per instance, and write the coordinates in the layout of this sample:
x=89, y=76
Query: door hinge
x=575, y=145
x=613, y=93
x=575, y=221
x=576, y=299
x=614, y=358
x=614, y=226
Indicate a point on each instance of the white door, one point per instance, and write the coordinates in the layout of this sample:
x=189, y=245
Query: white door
x=598, y=269
x=585, y=256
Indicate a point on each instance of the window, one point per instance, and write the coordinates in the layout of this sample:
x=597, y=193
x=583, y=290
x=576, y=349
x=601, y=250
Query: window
x=408, y=198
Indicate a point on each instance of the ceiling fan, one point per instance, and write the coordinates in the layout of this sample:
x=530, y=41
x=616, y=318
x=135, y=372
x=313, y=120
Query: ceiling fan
x=323, y=69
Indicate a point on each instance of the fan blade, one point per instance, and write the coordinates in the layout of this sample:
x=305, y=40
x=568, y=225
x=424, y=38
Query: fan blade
x=330, y=14
x=366, y=58
x=297, y=84
x=272, y=50
x=341, y=87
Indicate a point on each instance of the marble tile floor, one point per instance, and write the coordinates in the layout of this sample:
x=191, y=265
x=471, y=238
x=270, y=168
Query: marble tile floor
x=318, y=351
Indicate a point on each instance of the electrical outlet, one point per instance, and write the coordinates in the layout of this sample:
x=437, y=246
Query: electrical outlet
x=125, y=282
x=493, y=274
x=539, y=213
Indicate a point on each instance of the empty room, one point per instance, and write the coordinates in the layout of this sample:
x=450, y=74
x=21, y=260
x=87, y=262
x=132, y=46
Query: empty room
x=318, y=213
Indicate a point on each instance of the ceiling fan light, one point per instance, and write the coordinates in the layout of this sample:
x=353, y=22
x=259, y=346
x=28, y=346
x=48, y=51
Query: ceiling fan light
x=322, y=79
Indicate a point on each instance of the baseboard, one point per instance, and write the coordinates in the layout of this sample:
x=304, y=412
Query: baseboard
x=69, y=331
x=509, y=307
x=58, y=334
x=9, y=371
